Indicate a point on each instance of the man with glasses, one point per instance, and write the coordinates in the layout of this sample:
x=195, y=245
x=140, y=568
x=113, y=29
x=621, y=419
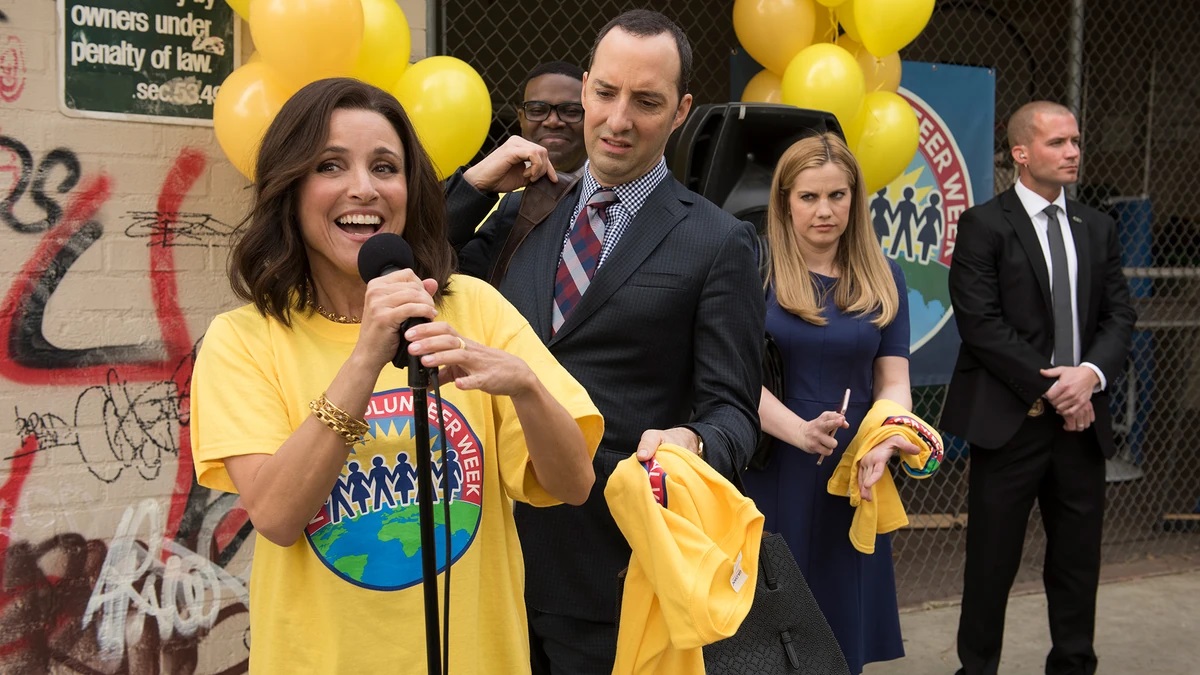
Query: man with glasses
x=551, y=114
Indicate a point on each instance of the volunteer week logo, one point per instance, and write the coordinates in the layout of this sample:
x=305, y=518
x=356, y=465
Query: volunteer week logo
x=367, y=531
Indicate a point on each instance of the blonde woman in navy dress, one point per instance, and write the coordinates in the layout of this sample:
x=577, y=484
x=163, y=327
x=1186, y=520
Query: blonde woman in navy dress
x=837, y=308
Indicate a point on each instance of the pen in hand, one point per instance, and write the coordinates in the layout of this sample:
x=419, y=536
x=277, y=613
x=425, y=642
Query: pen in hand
x=842, y=412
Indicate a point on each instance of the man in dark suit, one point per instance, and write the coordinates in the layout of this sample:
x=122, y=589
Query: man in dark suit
x=1043, y=310
x=665, y=331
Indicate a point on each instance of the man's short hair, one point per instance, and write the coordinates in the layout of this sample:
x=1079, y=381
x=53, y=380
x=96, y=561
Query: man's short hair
x=1020, y=124
x=552, y=68
x=645, y=23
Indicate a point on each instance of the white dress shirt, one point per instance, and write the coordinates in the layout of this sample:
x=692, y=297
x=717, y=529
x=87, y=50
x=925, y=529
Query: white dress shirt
x=1035, y=205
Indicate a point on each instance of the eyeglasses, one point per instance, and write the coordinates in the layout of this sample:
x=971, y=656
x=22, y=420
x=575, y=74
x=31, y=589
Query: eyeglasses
x=537, y=111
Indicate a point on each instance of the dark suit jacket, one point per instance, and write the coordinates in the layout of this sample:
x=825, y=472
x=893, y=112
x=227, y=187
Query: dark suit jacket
x=477, y=249
x=1000, y=290
x=670, y=332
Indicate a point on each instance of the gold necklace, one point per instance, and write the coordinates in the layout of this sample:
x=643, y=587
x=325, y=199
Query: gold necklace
x=336, y=318
x=310, y=299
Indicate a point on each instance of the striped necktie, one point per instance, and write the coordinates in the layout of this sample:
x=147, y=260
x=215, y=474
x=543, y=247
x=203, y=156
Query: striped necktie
x=580, y=255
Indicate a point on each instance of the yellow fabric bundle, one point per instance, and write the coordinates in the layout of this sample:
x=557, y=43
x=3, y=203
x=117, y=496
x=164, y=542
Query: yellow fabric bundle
x=884, y=513
x=691, y=577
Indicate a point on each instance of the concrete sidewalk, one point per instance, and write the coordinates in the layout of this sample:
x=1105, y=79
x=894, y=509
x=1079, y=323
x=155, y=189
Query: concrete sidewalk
x=1145, y=626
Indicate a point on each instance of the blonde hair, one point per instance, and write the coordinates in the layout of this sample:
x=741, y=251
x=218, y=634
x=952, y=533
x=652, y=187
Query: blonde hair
x=866, y=285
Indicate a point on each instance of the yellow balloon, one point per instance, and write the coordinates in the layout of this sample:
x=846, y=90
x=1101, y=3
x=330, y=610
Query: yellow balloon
x=241, y=7
x=883, y=138
x=247, y=101
x=831, y=3
x=763, y=88
x=307, y=40
x=774, y=31
x=825, y=77
x=845, y=16
x=450, y=108
x=825, y=29
x=386, y=44
x=255, y=57
x=886, y=26
x=881, y=74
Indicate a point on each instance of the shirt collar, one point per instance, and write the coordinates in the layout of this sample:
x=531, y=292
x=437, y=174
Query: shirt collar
x=1034, y=203
x=631, y=195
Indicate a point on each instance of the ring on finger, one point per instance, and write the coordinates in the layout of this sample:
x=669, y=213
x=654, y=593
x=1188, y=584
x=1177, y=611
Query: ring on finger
x=462, y=344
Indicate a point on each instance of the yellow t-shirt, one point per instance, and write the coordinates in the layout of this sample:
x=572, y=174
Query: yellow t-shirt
x=691, y=578
x=347, y=597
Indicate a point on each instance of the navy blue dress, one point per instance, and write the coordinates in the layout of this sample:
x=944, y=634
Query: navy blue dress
x=856, y=592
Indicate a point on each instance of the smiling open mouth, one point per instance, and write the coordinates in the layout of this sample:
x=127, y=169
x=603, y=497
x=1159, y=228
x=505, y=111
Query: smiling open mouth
x=358, y=223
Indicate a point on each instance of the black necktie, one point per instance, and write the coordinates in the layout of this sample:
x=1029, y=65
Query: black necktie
x=1060, y=286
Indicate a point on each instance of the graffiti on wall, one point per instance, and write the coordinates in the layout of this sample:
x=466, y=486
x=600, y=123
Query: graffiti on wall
x=145, y=595
x=23, y=176
x=184, y=228
x=12, y=65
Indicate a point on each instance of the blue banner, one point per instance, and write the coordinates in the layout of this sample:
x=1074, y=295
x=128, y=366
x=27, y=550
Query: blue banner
x=916, y=215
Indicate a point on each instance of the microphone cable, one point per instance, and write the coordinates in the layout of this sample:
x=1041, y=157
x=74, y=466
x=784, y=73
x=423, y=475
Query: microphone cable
x=447, y=495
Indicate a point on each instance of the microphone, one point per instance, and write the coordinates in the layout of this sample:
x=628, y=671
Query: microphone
x=383, y=254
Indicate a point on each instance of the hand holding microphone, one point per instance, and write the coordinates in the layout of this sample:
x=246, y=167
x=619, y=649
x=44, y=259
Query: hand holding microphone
x=397, y=299
x=400, y=305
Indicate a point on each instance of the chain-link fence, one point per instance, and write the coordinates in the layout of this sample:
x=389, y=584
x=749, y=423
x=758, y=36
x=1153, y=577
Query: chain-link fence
x=1127, y=66
x=505, y=40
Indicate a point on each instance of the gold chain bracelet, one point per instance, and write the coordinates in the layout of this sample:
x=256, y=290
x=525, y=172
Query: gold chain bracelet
x=352, y=430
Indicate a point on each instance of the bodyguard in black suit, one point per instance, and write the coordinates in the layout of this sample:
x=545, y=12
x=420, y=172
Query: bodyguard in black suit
x=667, y=338
x=1043, y=310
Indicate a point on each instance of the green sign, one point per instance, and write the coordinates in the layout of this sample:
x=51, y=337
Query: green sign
x=147, y=60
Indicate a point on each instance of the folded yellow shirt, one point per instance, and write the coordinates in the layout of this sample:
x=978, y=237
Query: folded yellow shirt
x=884, y=513
x=691, y=577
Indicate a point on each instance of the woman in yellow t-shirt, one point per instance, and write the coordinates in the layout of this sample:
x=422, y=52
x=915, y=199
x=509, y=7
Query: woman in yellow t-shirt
x=296, y=406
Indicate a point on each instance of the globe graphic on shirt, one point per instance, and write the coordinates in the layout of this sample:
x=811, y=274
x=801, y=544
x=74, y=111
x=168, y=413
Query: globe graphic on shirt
x=368, y=530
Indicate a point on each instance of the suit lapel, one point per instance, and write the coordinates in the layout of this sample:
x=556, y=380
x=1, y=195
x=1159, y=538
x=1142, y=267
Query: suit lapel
x=660, y=213
x=547, y=250
x=1023, y=227
x=1083, y=259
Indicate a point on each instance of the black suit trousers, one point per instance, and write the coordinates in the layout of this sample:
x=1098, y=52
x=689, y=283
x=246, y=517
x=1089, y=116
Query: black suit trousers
x=1064, y=472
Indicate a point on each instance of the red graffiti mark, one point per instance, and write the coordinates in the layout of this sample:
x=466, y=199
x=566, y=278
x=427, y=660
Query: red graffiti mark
x=12, y=69
x=179, y=181
x=231, y=523
x=10, y=170
x=10, y=496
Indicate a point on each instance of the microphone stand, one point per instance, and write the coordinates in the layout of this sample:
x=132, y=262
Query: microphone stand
x=418, y=381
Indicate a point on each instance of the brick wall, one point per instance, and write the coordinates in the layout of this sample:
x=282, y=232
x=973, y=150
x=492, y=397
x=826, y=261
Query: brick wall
x=113, y=243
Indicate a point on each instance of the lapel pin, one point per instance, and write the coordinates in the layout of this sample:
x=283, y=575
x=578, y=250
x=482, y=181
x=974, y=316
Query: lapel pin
x=1077, y=219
